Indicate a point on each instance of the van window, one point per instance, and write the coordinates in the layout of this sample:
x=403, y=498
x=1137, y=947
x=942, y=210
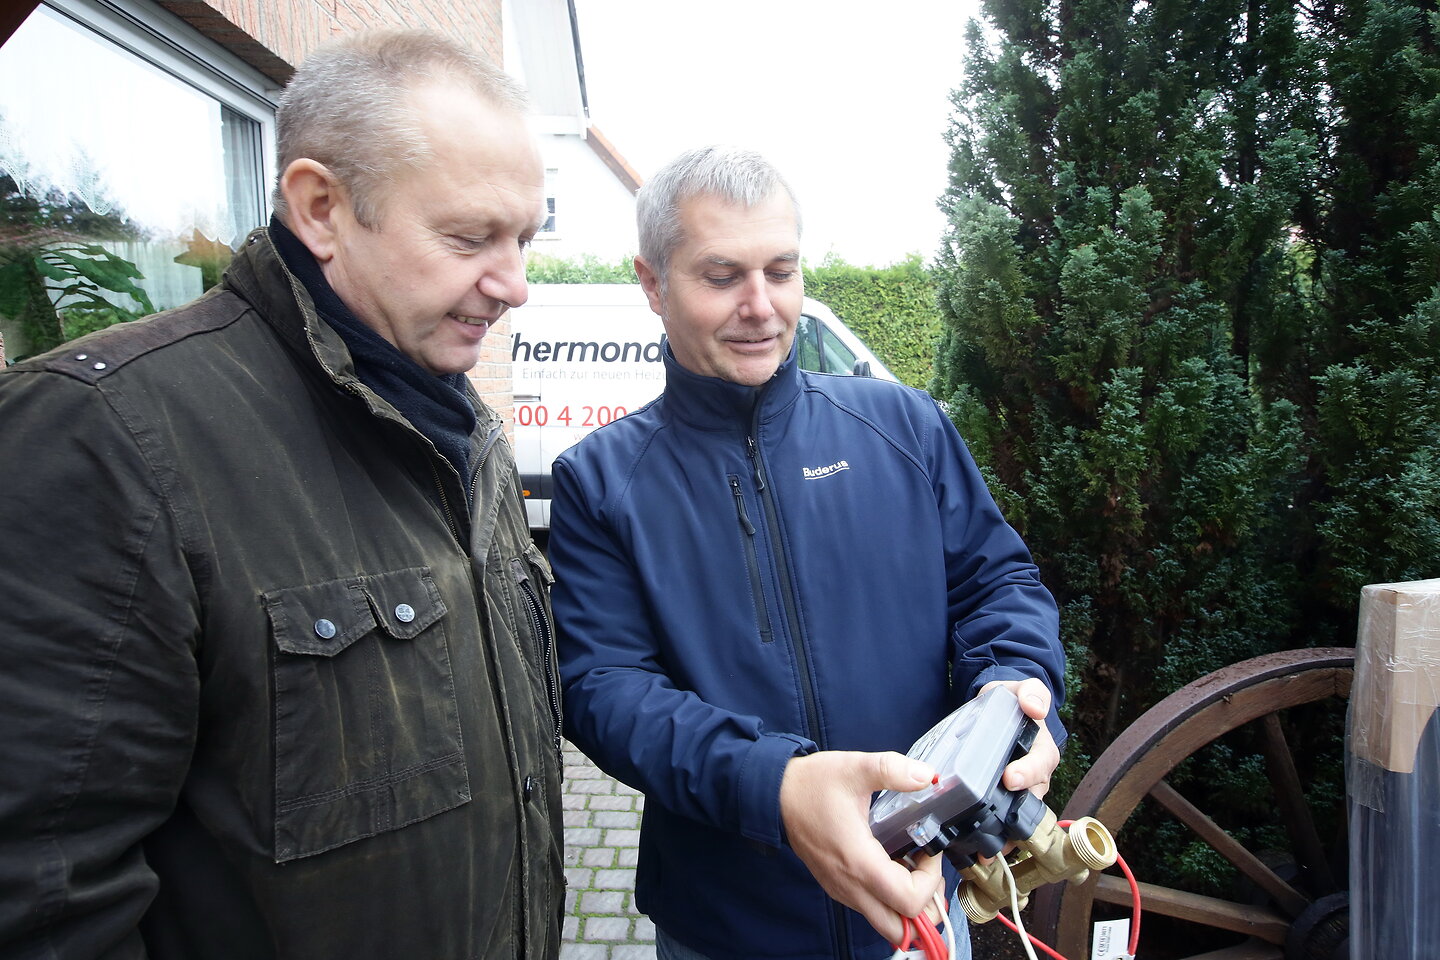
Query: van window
x=820, y=350
x=807, y=353
x=838, y=358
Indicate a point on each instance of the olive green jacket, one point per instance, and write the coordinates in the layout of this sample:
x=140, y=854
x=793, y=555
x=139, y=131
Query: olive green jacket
x=268, y=688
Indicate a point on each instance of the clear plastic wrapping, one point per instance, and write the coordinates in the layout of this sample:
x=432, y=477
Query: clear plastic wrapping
x=1392, y=774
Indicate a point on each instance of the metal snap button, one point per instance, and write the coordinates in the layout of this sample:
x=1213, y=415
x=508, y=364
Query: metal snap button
x=100, y=365
x=324, y=629
x=82, y=356
x=404, y=613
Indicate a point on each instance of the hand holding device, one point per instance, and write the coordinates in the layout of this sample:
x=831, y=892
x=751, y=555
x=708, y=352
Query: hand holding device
x=824, y=798
x=968, y=813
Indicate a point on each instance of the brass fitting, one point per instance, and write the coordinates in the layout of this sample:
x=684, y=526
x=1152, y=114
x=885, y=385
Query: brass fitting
x=1051, y=854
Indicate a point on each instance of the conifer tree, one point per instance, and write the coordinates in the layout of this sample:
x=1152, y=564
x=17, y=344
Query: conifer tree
x=1367, y=365
x=1152, y=337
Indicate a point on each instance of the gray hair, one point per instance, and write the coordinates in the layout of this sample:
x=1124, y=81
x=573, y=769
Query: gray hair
x=348, y=107
x=735, y=176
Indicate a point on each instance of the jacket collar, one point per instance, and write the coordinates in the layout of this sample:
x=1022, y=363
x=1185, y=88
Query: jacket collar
x=714, y=404
x=260, y=277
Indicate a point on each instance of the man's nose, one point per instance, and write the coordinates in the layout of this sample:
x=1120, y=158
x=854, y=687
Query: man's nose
x=755, y=297
x=504, y=278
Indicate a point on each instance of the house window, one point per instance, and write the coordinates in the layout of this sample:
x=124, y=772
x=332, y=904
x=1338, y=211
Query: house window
x=134, y=157
x=552, y=175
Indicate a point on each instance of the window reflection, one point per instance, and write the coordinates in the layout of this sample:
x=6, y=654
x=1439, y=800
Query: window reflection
x=838, y=357
x=808, y=357
x=122, y=188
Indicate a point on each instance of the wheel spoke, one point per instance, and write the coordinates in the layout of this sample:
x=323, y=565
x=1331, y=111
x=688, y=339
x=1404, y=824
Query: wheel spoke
x=1252, y=921
x=1287, y=897
x=1289, y=793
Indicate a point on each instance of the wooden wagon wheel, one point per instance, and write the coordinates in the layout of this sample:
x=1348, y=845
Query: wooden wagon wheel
x=1134, y=767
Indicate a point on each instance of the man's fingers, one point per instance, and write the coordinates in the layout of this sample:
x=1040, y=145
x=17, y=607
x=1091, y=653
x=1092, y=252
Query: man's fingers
x=901, y=892
x=931, y=865
x=1032, y=693
x=895, y=771
x=1021, y=775
x=1034, y=698
x=1035, y=768
x=824, y=804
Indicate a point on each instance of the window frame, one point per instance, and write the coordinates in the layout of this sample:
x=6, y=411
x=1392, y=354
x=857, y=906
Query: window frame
x=171, y=45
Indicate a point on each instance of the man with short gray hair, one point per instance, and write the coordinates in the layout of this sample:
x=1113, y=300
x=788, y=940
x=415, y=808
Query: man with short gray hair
x=276, y=676
x=769, y=584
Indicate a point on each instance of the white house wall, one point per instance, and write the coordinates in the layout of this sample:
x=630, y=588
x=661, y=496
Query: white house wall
x=594, y=212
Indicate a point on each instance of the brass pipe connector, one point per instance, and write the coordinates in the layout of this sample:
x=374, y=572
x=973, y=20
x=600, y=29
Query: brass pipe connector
x=1051, y=854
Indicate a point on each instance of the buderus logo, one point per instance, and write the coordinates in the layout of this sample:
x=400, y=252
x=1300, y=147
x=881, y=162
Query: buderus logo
x=820, y=473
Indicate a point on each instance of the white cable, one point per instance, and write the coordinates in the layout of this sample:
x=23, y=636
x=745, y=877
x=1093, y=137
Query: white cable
x=943, y=907
x=1015, y=908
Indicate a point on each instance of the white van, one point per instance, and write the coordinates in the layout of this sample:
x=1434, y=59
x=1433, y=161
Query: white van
x=588, y=353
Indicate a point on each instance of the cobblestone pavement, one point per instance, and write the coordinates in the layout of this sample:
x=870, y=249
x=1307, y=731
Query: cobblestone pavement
x=602, y=839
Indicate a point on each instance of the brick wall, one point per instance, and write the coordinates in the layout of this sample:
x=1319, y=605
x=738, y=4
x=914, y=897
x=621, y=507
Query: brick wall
x=274, y=35
x=493, y=377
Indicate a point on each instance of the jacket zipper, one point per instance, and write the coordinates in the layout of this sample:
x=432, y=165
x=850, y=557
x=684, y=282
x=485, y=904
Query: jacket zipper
x=523, y=913
x=522, y=908
x=792, y=619
x=522, y=926
x=787, y=586
x=474, y=482
x=752, y=563
x=547, y=650
x=533, y=605
x=445, y=505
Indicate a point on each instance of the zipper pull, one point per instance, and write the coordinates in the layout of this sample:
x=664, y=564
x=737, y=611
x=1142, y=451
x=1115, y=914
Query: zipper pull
x=754, y=453
x=745, y=523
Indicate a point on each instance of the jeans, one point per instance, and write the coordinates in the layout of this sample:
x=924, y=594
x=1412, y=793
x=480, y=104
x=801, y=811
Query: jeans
x=668, y=948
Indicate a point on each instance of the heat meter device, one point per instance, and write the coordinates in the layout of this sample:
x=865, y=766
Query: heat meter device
x=967, y=811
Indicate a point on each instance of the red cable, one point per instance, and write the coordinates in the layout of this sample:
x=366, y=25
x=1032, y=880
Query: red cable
x=1033, y=939
x=935, y=948
x=1134, y=944
x=906, y=936
x=924, y=936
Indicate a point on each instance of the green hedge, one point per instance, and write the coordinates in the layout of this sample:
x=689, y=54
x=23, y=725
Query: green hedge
x=588, y=268
x=891, y=308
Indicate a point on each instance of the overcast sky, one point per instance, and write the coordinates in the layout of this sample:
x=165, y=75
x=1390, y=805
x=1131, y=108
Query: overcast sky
x=848, y=99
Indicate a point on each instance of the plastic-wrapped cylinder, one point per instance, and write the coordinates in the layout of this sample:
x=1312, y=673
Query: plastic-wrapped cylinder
x=1392, y=774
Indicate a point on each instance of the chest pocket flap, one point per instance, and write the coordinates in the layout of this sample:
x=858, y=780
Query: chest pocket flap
x=403, y=603
x=367, y=732
x=321, y=619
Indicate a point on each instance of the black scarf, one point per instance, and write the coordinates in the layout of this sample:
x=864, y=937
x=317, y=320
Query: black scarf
x=436, y=406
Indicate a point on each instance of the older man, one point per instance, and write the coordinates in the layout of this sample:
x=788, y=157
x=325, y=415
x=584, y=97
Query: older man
x=767, y=579
x=275, y=666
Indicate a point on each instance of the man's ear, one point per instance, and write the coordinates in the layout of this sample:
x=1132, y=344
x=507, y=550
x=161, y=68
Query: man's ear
x=313, y=198
x=650, y=283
